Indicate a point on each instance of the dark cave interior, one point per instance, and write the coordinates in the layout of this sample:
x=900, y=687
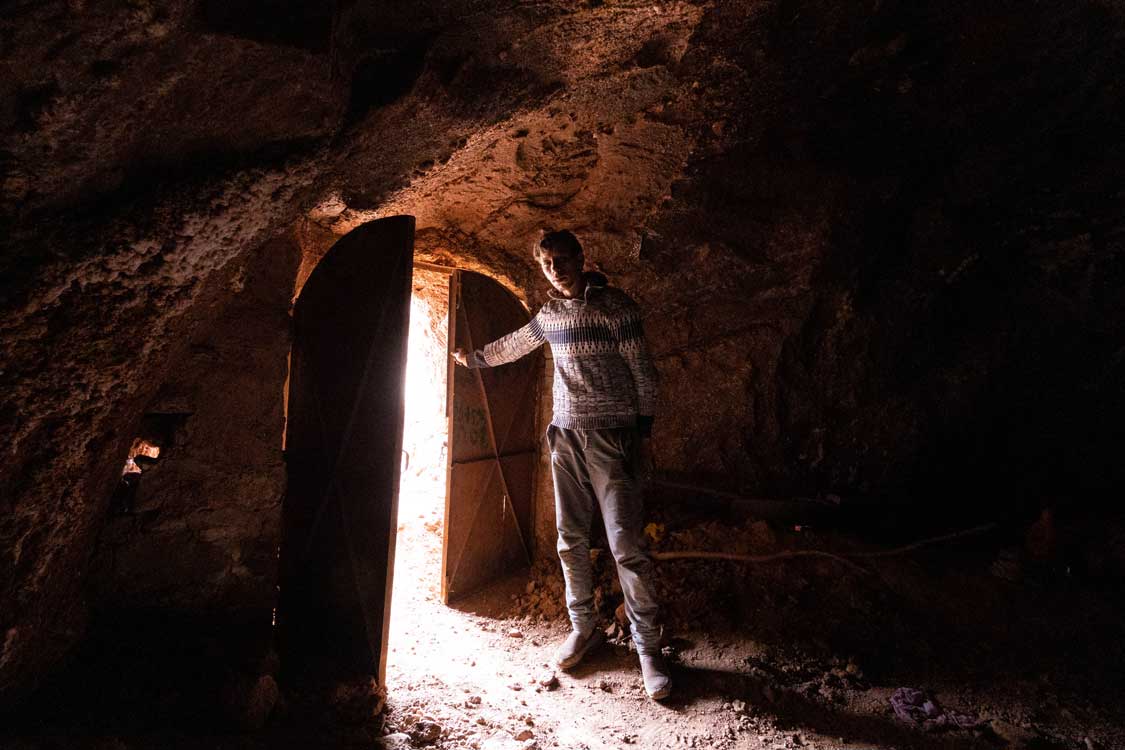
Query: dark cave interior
x=880, y=252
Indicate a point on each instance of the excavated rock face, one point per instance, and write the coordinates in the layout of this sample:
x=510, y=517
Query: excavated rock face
x=879, y=249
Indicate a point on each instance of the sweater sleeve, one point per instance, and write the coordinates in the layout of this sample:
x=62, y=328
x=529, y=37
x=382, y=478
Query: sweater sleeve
x=631, y=343
x=511, y=347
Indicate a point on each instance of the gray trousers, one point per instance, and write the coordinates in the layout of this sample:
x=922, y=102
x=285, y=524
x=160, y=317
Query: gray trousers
x=600, y=466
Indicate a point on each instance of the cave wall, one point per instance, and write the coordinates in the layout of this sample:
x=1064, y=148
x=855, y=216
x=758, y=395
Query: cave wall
x=891, y=273
x=879, y=247
x=202, y=534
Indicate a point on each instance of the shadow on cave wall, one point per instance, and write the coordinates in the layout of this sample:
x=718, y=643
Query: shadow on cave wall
x=924, y=206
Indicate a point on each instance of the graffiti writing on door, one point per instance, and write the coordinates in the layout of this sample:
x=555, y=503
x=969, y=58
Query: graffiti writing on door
x=470, y=422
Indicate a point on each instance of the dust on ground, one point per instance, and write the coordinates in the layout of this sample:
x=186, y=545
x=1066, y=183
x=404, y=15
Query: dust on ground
x=1005, y=651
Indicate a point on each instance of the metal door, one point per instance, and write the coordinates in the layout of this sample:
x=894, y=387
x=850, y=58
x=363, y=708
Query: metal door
x=493, y=443
x=343, y=439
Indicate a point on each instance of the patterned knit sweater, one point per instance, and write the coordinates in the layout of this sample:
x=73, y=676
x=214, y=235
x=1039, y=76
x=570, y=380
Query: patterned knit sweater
x=604, y=375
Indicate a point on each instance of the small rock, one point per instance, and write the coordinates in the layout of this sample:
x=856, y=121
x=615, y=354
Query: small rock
x=357, y=701
x=396, y=741
x=739, y=707
x=425, y=732
x=619, y=615
x=525, y=734
x=604, y=686
x=515, y=633
x=549, y=680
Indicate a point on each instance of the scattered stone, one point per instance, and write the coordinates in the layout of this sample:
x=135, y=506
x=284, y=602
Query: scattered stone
x=425, y=732
x=396, y=741
x=525, y=734
x=516, y=686
x=549, y=680
x=358, y=701
x=619, y=615
x=515, y=633
x=604, y=686
x=739, y=707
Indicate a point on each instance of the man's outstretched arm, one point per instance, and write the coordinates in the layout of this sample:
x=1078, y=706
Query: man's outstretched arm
x=504, y=349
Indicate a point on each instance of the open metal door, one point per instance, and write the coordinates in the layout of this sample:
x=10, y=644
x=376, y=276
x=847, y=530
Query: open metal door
x=493, y=444
x=343, y=443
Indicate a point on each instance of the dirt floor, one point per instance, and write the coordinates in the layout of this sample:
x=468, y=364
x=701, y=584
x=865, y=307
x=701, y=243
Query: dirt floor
x=1008, y=652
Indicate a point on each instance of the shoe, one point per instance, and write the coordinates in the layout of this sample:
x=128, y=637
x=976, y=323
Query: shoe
x=576, y=646
x=658, y=682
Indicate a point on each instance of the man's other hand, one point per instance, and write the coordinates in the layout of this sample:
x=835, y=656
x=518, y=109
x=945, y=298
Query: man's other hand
x=461, y=357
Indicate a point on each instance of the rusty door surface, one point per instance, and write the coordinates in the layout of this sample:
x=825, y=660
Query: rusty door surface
x=343, y=440
x=493, y=443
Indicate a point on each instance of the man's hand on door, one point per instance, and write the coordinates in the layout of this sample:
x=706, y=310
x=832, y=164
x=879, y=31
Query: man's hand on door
x=461, y=357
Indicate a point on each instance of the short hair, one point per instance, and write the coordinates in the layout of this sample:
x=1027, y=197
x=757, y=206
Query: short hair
x=562, y=239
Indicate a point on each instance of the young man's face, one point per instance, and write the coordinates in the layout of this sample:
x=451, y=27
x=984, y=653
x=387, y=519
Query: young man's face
x=564, y=270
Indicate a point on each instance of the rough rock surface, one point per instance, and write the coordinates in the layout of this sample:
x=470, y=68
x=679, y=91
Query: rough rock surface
x=880, y=248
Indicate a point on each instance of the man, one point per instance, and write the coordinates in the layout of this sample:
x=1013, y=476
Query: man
x=604, y=400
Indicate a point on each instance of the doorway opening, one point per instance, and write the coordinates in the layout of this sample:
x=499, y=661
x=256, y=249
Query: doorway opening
x=345, y=456
x=416, y=591
x=467, y=476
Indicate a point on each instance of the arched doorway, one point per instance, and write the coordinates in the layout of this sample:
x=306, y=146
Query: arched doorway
x=344, y=438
